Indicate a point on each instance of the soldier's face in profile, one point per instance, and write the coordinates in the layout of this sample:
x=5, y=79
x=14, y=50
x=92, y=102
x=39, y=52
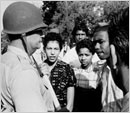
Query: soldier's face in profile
x=34, y=40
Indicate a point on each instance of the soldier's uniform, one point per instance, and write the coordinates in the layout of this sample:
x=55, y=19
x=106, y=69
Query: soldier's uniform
x=22, y=86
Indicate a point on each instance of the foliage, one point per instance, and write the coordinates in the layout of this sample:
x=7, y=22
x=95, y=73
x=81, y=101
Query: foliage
x=49, y=8
x=66, y=14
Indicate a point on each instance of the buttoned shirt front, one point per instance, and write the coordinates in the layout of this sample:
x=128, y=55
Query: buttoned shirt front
x=119, y=105
x=125, y=103
x=23, y=89
x=111, y=94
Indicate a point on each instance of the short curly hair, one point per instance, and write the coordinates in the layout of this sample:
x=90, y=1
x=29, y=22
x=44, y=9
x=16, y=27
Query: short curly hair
x=85, y=43
x=81, y=26
x=51, y=36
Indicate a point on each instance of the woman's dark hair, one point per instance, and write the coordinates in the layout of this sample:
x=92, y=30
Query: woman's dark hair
x=81, y=26
x=85, y=43
x=119, y=34
x=52, y=37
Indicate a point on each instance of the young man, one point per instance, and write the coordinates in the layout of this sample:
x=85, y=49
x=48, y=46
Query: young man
x=110, y=91
x=79, y=33
x=23, y=89
x=61, y=74
x=119, y=46
x=87, y=92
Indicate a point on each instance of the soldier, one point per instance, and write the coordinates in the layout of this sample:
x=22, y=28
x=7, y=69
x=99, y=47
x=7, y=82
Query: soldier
x=23, y=89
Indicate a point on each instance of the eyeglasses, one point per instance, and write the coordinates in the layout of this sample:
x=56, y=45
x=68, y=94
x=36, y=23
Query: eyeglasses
x=36, y=31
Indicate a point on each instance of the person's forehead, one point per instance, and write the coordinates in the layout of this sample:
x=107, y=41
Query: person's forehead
x=52, y=43
x=101, y=35
x=84, y=50
x=81, y=31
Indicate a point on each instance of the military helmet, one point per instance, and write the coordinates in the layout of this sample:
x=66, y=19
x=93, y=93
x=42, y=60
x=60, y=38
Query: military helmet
x=22, y=17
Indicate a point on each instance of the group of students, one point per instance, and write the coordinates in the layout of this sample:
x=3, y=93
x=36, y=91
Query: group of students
x=92, y=76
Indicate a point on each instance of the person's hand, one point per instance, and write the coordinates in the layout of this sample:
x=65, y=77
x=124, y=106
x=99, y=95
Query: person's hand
x=44, y=69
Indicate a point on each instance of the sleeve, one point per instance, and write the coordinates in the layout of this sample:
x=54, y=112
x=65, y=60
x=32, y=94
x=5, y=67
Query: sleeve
x=71, y=76
x=66, y=57
x=71, y=55
x=25, y=90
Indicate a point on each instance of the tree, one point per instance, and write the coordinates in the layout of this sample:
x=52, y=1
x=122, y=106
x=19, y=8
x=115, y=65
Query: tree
x=66, y=14
x=49, y=9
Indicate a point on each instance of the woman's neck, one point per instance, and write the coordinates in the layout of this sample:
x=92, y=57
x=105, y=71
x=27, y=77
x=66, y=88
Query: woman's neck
x=87, y=66
x=51, y=64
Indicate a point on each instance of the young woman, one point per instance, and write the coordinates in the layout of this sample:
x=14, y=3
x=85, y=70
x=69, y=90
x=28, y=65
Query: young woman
x=88, y=91
x=61, y=74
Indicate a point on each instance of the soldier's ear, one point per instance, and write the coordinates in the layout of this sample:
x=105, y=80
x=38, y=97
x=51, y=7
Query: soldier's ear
x=113, y=55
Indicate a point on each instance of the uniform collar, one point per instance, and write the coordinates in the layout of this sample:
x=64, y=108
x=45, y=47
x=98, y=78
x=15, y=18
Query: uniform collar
x=18, y=51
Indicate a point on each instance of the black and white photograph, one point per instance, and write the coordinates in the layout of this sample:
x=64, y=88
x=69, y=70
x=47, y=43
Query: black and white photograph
x=64, y=56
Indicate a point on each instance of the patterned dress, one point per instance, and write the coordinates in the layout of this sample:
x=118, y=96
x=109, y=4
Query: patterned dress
x=62, y=77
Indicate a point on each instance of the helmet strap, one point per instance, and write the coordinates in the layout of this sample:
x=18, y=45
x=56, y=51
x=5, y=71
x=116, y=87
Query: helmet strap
x=24, y=41
x=38, y=69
